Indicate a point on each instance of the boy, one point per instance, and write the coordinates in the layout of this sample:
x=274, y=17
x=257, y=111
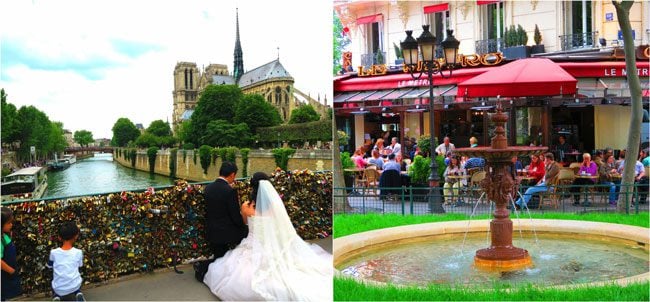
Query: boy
x=66, y=262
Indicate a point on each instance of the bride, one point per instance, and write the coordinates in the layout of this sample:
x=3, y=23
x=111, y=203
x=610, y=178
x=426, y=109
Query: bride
x=273, y=262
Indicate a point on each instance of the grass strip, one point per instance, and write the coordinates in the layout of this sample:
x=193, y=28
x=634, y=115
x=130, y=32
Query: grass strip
x=346, y=289
x=347, y=224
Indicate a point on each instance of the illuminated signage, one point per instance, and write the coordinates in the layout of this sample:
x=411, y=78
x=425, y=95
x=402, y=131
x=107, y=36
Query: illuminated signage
x=347, y=60
x=621, y=72
x=372, y=70
x=474, y=60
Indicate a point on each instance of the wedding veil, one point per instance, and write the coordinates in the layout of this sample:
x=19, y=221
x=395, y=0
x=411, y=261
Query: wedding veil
x=272, y=223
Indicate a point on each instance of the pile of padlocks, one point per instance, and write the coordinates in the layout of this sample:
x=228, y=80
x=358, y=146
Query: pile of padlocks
x=140, y=231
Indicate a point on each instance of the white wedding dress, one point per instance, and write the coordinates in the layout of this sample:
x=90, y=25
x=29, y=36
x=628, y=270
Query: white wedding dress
x=273, y=262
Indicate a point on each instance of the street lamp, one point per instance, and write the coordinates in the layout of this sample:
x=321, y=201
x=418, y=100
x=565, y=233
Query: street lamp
x=427, y=46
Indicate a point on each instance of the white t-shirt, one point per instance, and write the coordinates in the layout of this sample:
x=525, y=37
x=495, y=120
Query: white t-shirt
x=66, y=266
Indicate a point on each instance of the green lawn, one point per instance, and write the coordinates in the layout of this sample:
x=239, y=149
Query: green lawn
x=349, y=290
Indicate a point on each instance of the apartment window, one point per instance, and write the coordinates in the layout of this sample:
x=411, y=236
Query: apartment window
x=493, y=26
x=580, y=14
x=438, y=19
x=371, y=27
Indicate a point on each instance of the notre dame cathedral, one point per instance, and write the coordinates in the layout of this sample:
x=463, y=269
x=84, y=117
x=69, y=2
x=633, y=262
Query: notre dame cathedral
x=270, y=80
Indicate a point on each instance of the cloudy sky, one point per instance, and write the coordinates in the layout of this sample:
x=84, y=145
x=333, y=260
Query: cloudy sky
x=88, y=63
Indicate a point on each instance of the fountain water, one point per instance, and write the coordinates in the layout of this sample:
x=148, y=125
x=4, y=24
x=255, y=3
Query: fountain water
x=498, y=186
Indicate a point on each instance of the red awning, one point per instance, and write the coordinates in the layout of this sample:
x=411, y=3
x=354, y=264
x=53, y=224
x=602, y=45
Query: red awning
x=370, y=19
x=479, y=2
x=436, y=8
x=525, y=77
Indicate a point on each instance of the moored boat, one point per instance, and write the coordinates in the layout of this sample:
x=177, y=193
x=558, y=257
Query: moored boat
x=26, y=183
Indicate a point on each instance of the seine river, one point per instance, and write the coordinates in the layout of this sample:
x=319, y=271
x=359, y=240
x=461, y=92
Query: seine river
x=99, y=174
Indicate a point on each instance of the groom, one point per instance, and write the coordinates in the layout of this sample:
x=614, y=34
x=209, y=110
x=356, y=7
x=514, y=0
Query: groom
x=223, y=218
x=224, y=221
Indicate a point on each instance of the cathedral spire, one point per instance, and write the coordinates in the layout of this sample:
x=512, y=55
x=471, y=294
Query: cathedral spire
x=239, y=57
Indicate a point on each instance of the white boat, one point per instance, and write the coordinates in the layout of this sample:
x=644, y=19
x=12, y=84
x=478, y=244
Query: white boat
x=71, y=158
x=27, y=183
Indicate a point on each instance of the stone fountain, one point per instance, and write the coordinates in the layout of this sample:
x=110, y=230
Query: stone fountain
x=499, y=188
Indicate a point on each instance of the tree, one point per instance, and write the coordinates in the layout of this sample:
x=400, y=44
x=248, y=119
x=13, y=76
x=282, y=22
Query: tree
x=9, y=122
x=159, y=128
x=57, y=141
x=256, y=112
x=221, y=133
x=147, y=140
x=217, y=102
x=634, y=138
x=182, y=131
x=83, y=137
x=124, y=131
x=34, y=129
x=304, y=114
x=338, y=44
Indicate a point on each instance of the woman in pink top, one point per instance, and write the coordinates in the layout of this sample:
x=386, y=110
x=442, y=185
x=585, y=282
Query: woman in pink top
x=588, y=168
x=358, y=160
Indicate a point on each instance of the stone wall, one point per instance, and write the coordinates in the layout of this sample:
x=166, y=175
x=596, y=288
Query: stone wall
x=258, y=160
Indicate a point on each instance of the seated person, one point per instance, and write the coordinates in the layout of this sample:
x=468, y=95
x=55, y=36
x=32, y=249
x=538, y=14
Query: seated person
x=605, y=178
x=392, y=164
x=358, y=160
x=640, y=179
x=376, y=160
x=552, y=169
x=474, y=162
x=536, y=168
x=446, y=147
x=451, y=184
x=516, y=166
x=587, y=167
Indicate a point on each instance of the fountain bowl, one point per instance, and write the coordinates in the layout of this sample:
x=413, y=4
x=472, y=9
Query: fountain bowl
x=351, y=246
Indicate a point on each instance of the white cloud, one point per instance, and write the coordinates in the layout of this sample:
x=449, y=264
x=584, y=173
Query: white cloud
x=66, y=58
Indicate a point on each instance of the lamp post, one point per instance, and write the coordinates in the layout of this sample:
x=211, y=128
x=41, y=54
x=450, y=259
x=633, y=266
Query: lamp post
x=430, y=64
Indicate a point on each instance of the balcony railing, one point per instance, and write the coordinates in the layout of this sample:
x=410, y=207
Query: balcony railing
x=489, y=46
x=370, y=59
x=579, y=40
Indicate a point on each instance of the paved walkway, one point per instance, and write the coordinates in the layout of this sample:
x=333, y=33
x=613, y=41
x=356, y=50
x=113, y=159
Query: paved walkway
x=161, y=285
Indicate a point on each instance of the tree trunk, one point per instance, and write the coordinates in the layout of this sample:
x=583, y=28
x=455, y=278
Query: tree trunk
x=634, y=138
x=339, y=198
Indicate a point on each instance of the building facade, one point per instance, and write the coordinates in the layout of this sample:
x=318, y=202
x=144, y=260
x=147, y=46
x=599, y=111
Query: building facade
x=270, y=80
x=581, y=37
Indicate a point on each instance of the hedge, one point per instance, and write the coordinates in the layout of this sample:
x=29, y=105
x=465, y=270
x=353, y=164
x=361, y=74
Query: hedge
x=312, y=132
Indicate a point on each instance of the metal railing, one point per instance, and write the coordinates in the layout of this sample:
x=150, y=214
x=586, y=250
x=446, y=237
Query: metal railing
x=370, y=59
x=579, y=41
x=489, y=46
x=472, y=201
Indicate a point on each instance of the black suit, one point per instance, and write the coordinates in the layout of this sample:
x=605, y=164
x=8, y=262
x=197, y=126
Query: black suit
x=223, y=221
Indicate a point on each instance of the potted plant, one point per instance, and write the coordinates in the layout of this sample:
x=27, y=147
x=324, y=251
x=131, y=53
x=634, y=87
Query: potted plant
x=419, y=172
x=515, y=40
x=348, y=177
x=398, y=55
x=538, y=47
x=379, y=56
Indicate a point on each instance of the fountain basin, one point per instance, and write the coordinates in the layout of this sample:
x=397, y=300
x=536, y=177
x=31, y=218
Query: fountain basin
x=352, y=246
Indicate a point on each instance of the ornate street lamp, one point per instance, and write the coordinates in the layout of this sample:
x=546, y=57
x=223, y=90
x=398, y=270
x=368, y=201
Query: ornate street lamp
x=427, y=48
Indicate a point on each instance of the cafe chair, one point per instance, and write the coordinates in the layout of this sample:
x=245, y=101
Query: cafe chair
x=474, y=184
x=575, y=167
x=369, y=181
x=564, y=179
x=551, y=194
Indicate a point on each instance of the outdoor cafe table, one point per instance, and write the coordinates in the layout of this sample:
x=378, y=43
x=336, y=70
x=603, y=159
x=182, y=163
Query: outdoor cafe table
x=456, y=178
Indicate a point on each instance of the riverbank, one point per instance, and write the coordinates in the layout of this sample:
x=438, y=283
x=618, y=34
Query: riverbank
x=187, y=164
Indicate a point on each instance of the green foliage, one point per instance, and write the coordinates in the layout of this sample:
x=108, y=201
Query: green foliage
x=83, y=137
x=57, y=141
x=194, y=153
x=184, y=153
x=216, y=102
x=33, y=129
x=152, y=153
x=133, y=154
x=244, y=158
x=346, y=162
x=398, y=51
x=441, y=166
x=146, y=140
x=206, y=157
x=5, y=172
x=343, y=137
x=297, y=133
x=522, y=35
x=230, y=154
x=172, y=162
x=304, y=114
x=420, y=169
x=10, y=120
x=222, y=153
x=215, y=154
x=256, y=112
x=188, y=146
x=281, y=156
x=425, y=144
x=159, y=128
x=538, y=36
x=183, y=131
x=339, y=42
x=221, y=133
x=379, y=56
x=124, y=131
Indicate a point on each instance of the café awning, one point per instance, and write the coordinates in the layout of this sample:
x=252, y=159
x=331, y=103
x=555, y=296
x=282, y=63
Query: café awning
x=520, y=78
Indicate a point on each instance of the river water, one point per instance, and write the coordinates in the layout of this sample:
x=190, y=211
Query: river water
x=99, y=174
